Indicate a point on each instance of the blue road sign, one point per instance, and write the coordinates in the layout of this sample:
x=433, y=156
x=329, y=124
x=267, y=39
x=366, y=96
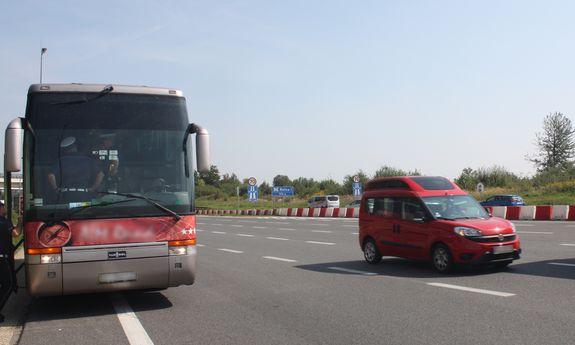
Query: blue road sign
x=253, y=193
x=283, y=191
x=356, y=189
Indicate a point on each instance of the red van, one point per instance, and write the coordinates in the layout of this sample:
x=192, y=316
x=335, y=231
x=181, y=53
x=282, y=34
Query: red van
x=431, y=218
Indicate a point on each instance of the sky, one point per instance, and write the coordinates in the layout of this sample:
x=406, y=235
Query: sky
x=318, y=89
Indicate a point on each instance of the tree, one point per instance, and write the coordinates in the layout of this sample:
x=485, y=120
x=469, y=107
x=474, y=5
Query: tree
x=282, y=180
x=555, y=144
x=386, y=171
x=212, y=177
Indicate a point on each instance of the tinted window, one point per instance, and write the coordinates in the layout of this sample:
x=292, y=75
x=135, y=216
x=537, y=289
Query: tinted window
x=332, y=198
x=382, y=207
x=433, y=183
x=387, y=184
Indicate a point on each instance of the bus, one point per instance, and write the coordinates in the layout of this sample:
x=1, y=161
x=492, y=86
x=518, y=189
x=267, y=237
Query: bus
x=133, y=226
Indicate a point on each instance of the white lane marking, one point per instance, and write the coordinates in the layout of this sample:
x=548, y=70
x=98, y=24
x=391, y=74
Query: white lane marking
x=316, y=242
x=321, y=224
x=198, y=230
x=355, y=233
x=276, y=222
x=133, y=329
x=278, y=259
x=201, y=223
x=571, y=226
x=200, y=245
x=347, y=270
x=463, y=288
x=237, y=226
x=278, y=238
x=230, y=251
x=322, y=231
x=217, y=224
x=219, y=232
x=287, y=229
x=568, y=244
x=350, y=226
x=561, y=264
x=259, y=227
x=247, y=221
x=519, y=224
x=244, y=235
x=536, y=232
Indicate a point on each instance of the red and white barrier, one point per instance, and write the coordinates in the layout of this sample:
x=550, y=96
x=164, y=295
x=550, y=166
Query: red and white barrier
x=531, y=212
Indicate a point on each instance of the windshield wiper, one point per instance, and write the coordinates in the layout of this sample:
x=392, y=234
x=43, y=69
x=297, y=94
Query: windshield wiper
x=102, y=93
x=150, y=201
x=444, y=218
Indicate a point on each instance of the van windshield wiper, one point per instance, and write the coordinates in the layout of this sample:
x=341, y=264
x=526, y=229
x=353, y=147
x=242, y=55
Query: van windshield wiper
x=148, y=200
x=444, y=218
x=102, y=93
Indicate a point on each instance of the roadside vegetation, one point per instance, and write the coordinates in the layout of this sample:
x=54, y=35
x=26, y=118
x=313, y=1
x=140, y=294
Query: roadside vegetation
x=553, y=183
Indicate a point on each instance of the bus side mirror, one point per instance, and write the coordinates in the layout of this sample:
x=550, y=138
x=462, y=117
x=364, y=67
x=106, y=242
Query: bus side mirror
x=202, y=147
x=13, y=146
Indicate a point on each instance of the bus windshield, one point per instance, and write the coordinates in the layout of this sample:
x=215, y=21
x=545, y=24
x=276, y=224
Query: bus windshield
x=106, y=150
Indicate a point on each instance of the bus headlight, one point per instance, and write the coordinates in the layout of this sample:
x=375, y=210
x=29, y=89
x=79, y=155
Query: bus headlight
x=183, y=250
x=50, y=258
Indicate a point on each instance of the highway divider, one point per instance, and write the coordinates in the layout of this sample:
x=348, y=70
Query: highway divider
x=543, y=212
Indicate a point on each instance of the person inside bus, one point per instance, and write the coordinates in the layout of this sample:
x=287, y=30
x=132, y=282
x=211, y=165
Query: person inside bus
x=79, y=175
x=7, y=272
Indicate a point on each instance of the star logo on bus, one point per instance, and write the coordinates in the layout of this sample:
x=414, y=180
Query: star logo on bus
x=188, y=231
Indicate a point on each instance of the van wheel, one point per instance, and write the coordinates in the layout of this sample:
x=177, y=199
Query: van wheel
x=442, y=259
x=371, y=253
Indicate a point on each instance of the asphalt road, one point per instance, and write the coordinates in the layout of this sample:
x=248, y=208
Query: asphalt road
x=303, y=281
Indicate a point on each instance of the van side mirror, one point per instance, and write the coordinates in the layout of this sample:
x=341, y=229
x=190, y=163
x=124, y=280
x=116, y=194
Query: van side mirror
x=13, y=146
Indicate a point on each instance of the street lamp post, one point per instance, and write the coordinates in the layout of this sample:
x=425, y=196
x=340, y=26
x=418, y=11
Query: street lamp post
x=41, y=55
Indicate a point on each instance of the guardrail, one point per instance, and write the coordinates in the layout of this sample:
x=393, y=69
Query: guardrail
x=544, y=212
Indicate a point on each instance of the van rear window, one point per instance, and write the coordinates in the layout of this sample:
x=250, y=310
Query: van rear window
x=433, y=183
x=332, y=198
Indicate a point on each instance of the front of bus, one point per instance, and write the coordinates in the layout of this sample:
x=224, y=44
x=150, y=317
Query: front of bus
x=109, y=189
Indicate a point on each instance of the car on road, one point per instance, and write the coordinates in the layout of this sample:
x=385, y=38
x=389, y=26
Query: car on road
x=503, y=200
x=353, y=204
x=324, y=201
x=432, y=219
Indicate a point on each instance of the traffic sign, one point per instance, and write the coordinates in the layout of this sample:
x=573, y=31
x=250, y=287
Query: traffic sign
x=356, y=179
x=253, y=193
x=356, y=189
x=480, y=187
x=252, y=181
x=283, y=191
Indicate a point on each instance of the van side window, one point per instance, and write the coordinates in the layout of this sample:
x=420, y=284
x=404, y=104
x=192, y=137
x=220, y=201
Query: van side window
x=381, y=207
x=412, y=210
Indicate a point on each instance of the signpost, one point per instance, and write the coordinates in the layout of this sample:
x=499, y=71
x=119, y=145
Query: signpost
x=356, y=187
x=282, y=191
x=252, y=189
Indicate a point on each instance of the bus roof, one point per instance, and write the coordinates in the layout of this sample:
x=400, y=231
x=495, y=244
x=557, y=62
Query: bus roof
x=95, y=88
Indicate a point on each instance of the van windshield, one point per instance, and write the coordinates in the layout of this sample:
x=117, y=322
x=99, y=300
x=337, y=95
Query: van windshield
x=453, y=207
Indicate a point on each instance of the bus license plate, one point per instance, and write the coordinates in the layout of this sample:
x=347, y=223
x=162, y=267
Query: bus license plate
x=502, y=249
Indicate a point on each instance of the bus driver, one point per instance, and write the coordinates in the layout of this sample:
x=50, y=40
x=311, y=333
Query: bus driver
x=79, y=175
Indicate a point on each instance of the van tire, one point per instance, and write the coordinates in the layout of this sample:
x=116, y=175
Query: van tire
x=371, y=253
x=442, y=259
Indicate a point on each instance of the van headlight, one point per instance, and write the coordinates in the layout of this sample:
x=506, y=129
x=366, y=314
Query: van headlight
x=466, y=232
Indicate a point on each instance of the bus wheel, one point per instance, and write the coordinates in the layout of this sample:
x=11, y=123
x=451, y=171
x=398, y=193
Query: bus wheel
x=371, y=253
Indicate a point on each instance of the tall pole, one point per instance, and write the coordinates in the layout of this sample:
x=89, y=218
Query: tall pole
x=42, y=55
